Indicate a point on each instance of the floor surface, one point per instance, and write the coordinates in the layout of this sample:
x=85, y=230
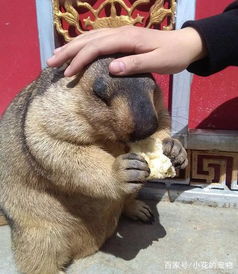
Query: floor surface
x=184, y=239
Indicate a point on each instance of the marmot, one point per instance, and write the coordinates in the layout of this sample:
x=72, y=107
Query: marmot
x=65, y=174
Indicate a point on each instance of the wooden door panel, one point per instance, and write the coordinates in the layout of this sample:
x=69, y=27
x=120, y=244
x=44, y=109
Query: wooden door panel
x=19, y=48
x=214, y=99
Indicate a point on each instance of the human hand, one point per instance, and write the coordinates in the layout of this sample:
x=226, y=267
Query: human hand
x=164, y=52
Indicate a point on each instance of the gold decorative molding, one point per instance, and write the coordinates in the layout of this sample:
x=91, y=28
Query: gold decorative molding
x=69, y=12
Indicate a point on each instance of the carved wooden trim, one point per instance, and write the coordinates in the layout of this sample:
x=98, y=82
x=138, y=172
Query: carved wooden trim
x=217, y=168
x=212, y=169
x=69, y=12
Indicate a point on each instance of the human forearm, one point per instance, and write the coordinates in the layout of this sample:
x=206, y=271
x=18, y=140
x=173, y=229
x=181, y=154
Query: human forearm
x=219, y=34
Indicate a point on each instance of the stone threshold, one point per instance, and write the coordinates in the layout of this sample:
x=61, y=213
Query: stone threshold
x=190, y=194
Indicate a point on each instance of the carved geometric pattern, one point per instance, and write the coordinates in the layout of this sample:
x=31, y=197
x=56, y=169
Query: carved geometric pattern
x=212, y=169
x=219, y=169
x=72, y=18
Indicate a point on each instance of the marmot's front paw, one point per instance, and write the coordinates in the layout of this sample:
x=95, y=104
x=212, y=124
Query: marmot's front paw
x=131, y=167
x=174, y=150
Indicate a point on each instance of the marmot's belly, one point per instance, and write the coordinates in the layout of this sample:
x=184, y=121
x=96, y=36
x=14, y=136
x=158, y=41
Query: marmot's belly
x=95, y=228
x=105, y=221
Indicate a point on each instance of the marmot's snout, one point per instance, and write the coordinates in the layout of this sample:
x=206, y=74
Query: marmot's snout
x=145, y=129
x=140, y=91
x=124, y=106
x=145, y=118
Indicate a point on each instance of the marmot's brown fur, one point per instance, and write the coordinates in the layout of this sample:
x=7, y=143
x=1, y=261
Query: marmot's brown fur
x=65, y=176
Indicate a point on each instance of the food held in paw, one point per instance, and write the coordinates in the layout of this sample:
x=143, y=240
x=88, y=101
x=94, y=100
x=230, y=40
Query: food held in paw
x=152, y=150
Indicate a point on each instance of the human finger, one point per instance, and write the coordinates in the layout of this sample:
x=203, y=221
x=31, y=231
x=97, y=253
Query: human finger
x=139, y=63
x=68, y=51
x=109, y=45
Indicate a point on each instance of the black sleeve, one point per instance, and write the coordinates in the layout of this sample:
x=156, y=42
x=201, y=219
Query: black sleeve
x=220, y=36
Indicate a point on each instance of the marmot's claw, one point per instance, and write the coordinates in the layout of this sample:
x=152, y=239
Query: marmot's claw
x=173, y=149
x=131, y=167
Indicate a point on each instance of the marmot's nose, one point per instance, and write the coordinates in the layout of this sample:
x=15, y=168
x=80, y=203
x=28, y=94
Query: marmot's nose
x=145, y=128
x=143, y=112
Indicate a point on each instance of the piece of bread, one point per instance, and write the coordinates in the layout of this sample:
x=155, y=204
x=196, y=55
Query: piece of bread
x=151, y=149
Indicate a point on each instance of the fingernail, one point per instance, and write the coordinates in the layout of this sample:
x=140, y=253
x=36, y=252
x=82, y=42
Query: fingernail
x=51, y=58
x=58, y=49
x=117, y=67
x=67, y=72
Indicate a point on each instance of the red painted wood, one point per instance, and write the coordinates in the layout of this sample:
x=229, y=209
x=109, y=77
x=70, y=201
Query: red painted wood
x=165, y=84
x=19, y=48
x=214, y=99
